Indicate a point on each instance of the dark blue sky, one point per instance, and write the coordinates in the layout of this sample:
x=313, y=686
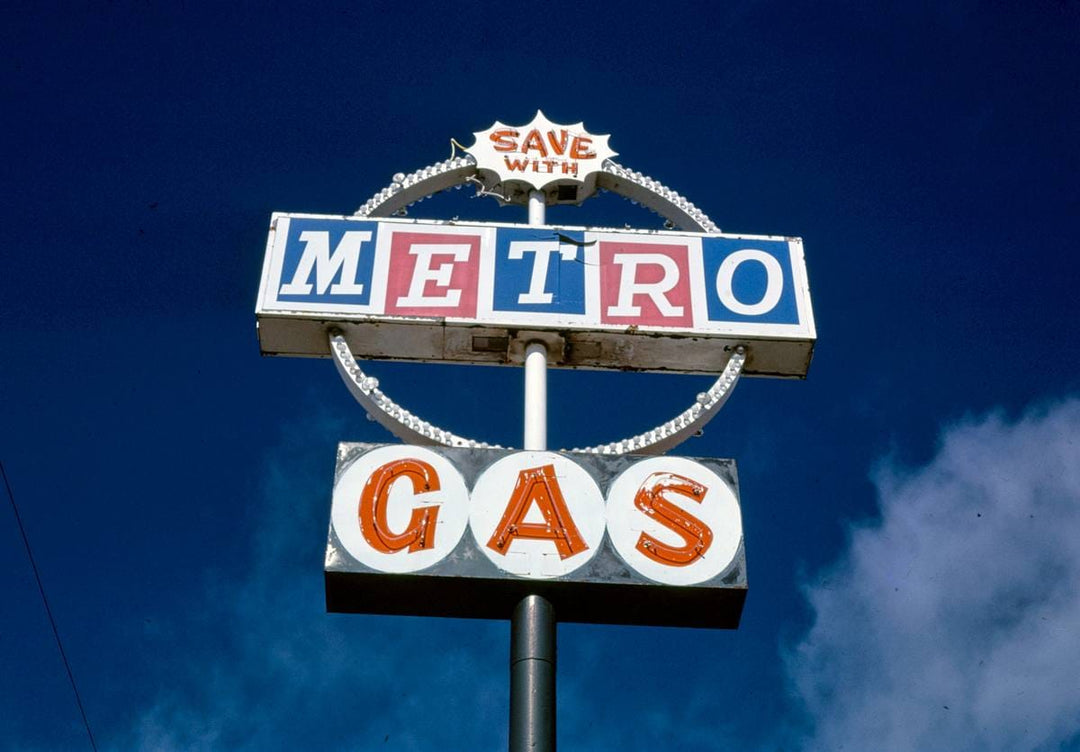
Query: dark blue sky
x=175, y=485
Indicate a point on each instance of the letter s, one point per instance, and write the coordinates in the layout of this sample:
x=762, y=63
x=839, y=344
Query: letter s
x=505, y=139
x=697, y=536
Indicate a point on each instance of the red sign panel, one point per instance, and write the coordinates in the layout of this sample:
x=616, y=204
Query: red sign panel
x=645, y=284
x=433, y=274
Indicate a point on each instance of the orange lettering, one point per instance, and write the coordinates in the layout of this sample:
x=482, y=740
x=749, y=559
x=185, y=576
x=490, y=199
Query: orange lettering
x=534, y=141
x=516, y=164
x=504, y=139
x=538, y=485
x=420, y=533
x=558, y=146
x=579, y=148
x=697, y=536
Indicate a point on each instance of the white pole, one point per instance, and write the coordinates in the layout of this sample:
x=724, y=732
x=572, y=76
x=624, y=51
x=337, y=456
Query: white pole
x=532, y=625
x=535, y=396
x=536, y=207
x=536, y=361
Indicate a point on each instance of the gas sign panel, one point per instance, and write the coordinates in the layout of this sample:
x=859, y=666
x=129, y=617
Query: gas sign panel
x=452, y=292
x=435, y=531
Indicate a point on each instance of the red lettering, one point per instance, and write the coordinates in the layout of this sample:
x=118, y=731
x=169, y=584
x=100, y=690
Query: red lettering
x=420, y=532
x=538, y=485
x=534, y=141
x=504, y=139
x=697, y=536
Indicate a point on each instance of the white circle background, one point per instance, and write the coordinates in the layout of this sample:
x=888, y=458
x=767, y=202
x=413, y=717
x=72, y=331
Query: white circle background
x=719, y=510
x=537, y=558
x=774, y=285
x=452, y=499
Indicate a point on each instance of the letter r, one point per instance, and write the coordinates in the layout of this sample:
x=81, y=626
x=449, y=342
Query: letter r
x=630, y=286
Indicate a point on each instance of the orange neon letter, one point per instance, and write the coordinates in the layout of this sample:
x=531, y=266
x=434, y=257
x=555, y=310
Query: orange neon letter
x=420, y=533
x=516, y=164
x=504, y=139
x=697, y=536
x=579, y=148
x=538, y=485
x=533, y=140
x=558, y=144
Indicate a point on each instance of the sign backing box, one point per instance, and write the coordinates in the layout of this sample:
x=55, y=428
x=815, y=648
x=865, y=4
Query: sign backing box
x=454, y=292
x=465, y=580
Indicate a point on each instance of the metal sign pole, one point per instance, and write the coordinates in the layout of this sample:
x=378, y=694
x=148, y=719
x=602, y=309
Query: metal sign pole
x=532, y=625
x=532, y=676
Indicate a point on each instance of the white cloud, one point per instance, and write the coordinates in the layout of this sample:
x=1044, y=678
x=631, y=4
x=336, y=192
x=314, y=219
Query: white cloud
x=953, y=622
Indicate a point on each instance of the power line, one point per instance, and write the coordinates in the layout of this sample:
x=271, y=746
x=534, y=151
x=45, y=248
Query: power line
x=48, y=611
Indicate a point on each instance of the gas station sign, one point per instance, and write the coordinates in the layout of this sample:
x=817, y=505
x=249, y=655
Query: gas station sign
x=460, y=292
x=437, y=531
x=445, y=525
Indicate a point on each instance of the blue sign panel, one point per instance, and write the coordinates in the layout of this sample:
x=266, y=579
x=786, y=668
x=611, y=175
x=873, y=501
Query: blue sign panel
x=749, y=281
x=539, y=271
x=328, y=261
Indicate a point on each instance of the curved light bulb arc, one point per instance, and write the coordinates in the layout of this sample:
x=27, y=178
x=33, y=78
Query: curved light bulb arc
x=406, y=189
x=387, y=413
x=413, y=430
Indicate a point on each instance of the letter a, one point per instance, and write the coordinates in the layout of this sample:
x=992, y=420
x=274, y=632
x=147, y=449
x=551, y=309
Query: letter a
x=420, y=533
x=697, y=536
x=538, y=485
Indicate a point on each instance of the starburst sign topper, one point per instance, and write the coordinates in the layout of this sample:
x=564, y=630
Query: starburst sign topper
x=540, y=153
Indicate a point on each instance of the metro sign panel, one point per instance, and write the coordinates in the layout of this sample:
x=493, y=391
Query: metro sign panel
x=469, y=532
x=440, y=291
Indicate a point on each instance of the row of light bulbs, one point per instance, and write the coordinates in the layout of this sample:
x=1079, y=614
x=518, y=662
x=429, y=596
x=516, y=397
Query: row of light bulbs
x=410, y=427
x=366, y=390
x=686, y=423
x=413, y=183
x=663, y=192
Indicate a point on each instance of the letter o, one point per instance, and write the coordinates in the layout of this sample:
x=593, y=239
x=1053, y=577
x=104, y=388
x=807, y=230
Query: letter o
x=774, y=285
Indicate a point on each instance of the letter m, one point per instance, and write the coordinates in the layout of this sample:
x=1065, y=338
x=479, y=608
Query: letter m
x=326, y=265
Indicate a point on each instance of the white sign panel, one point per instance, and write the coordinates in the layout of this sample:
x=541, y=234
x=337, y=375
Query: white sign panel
x=548, y=525
x=674, y=520
x=400, y=509
x=541, y=152
x=603, y=538
x=459, y=292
